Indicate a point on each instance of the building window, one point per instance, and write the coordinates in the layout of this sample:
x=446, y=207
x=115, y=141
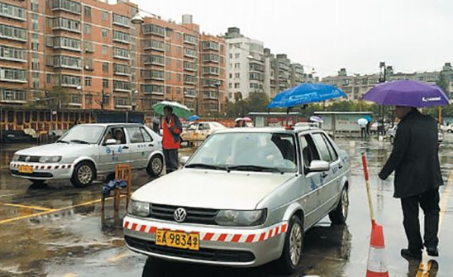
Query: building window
x=12, y=54
x=121, y=20
x=49, y=78
x=87, y=11
x=153, y=74
x=237, y=55
x=236, y=85
x=88, y=99
x=64, y=43
x=13, y=75
x=121, y=37
x=210, y=45
x=75, y=99
x=237, y=75
x=67, y=5
x=105, y=49
x=121, y=53
x=168, y=77
x=105, y=16
x=153, y=29
x=69, y=81
x=121, y=69
x=35, y=22
x=13, y=33
x=65, y=24
x=190, y=39
x=88, y=81
x=105, y=83
x=237, y=65
x=87, y=29
x=105, y=67
x=12, y=95
x=12, y=12
x=178, y=90
x=105, y=33
x=121, y=86
x=168, y=90
x=178, y=77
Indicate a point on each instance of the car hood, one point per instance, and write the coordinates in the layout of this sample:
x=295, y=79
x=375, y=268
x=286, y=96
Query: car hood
x=55, y=149
x=211, y=189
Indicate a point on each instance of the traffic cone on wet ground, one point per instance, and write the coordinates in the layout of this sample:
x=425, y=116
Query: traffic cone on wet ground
x=377, y=263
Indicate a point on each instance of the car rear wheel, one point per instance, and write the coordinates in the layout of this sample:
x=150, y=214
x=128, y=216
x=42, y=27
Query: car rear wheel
x=83, y=175
x=449, y=131
x=155, y=166
x=292, y=249
x=340, y=214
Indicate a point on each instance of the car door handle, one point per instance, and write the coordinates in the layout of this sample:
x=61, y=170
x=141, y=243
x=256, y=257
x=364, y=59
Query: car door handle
x=324, y=175
x=151, y=144
x=340, y=166
x=125, y=147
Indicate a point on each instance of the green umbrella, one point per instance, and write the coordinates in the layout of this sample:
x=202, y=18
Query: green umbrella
x=179, y=110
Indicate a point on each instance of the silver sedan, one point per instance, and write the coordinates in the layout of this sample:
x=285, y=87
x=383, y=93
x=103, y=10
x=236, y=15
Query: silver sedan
x=243, y=199
x=90, y=151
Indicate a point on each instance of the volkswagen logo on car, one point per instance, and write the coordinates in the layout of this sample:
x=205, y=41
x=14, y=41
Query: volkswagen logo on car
x=180, y=215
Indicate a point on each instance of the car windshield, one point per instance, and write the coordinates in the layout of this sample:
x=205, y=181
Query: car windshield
x=85, y=134
x=272, y=152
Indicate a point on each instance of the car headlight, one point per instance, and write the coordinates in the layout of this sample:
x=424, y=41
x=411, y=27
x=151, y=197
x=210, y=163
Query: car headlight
x=241, y=218
x=51, y=159
x=15, y=158
x=139, y=208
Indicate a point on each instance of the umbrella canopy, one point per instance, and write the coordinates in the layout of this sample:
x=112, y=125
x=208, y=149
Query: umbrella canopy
x=178, y=109
x=193, y=117
x=238, y=119
x=368, y=118
x=362, y=122
x=407, y=93
x=315, y=118
x=247, y=118
x=305, y=94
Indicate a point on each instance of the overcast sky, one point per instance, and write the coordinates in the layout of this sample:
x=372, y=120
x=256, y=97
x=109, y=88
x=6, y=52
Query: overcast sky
x=410, y=35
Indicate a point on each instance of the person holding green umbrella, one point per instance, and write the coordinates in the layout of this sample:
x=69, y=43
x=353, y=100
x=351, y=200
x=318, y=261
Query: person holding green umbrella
x=171, y=140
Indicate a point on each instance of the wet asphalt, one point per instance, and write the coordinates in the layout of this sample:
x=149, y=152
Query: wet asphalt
x=58, y=230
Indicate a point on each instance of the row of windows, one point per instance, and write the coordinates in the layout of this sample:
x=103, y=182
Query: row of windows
x=210, y=45
x=11, y=11
x=153, y=29
x=210, y=94
x=153, y=44
x=190, y=53
x=153, y=59
x=68, y=80
x=211, y=70
x=190, y=66
x=12, y=95
x=13, y=54
x=67, y=5
x=64, y=43
x=210, y=82
x=121, y=20
x=190, y=39
x=14, y=33
x=153, y=74
x=190, y=93
x=121, y=53
x=121, y=69
x=121, y=86
x=13, y=75
x=64, y=61
x=64, y=23
x=189, y=79
x=121, y=37
x=152, y=89
x=210, y=58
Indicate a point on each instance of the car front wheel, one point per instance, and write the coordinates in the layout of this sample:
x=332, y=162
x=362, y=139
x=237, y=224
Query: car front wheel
x=339, y=215
x=292, y=249
x=155, y=166
x=83, y=175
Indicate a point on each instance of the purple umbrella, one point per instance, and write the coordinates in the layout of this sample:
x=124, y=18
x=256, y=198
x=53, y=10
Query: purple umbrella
x=407, y=93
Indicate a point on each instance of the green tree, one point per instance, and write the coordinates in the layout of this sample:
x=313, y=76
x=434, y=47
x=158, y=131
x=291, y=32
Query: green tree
x=56, y=98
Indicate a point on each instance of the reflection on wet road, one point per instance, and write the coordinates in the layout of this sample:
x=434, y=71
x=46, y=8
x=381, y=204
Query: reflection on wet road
x=54, y=229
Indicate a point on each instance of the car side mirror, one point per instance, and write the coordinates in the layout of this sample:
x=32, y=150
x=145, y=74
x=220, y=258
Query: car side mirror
x=319, y=166
x=110, y=142
x=184, y=160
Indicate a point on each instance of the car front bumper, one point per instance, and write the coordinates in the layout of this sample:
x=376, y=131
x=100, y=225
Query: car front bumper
x=42, y=171
x=219, y=245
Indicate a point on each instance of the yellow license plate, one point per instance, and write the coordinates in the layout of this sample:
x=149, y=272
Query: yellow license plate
x=178, y=240
x=25, y=169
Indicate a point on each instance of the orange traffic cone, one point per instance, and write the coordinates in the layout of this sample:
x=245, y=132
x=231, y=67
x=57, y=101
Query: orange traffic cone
x=377, y=263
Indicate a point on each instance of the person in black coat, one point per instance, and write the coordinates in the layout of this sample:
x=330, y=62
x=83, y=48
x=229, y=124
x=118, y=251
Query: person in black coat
x=416, y=164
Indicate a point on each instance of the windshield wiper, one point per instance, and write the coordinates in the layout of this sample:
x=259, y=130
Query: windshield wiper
x=62, y=141
x=255, y=168
x=79, y=141
x=206, y=166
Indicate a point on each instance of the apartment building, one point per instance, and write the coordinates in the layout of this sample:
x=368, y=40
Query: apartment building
x=93, y=52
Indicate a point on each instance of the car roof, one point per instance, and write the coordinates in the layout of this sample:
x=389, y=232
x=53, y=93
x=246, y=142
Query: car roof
x=293, y=130
x=112, y=124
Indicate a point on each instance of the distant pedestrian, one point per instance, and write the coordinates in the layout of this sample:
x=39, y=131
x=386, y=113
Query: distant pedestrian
x=417, y=178
x=171, y=140
x=239, y=122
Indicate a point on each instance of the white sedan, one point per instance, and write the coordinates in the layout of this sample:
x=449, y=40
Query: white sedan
x=88, y=151
x=200, y=131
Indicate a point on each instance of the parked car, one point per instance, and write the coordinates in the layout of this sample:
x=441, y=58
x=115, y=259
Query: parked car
x=243, y=199
x=447, y=128
x=15, y=136
x=200, y=131
x=88, y=151
x=391, y=133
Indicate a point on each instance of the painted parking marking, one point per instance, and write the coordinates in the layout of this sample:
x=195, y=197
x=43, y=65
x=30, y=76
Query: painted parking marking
x=5, y=221
x=27, y=207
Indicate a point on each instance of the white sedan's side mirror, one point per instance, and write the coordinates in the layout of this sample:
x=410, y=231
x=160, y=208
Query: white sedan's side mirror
x=184, y=160
x=110, y=142
x=319, y=166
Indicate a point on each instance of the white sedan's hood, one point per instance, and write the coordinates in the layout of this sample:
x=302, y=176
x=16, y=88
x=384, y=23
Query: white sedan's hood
x=211, y=189
x=56, y=149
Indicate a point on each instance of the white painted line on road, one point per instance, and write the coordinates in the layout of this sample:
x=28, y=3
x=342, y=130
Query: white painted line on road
x=445, y=198
x=6, y=195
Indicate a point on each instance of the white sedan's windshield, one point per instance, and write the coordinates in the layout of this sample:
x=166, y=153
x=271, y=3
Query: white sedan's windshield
x=247, y=151
x=83, y=134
